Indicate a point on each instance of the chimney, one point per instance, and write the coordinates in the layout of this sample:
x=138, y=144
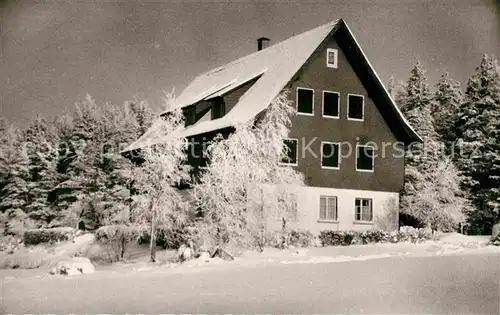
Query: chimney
x=262, y=43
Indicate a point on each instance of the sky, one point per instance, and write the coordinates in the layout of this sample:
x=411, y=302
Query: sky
x=53, y=53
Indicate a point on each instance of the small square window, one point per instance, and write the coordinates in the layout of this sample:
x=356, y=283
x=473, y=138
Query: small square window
x=305, y=101
x=364, y=158
x=364, y=210
x=290, y=147
x=331, y=58
x=328, y=208
x=330, y=155
x=355, y=107
x=331, y=101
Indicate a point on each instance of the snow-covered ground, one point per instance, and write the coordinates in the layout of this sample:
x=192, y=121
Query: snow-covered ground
x=445, y=245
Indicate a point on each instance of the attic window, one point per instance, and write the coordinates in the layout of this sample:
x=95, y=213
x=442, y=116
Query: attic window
x=331, y=58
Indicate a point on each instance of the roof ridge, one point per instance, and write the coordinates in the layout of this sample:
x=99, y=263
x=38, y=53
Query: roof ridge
x=255, y=53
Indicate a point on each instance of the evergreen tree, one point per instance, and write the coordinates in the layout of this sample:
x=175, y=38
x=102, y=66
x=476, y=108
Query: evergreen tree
x=478, y=130
x=445, y=107
x=423, y=196
x=14, y=174
x=416, y=106
x=39, y=140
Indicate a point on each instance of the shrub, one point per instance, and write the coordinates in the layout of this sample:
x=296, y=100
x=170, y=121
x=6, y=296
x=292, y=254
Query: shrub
x=414, y=235
x=496, y=240
x=300, y=238
x=116, y=238
x=338, y=238
x=42, y=236
x=26, y=259
x=374, y=236
x=281, y=239
x=9, y=243
x=171, y=238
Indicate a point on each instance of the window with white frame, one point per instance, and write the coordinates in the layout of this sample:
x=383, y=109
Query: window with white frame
x=331, y=104
x=305, y=101
x=328, y=208
x=365, y=158
x=332, y=58
x=364, y=210
x=291, y=152
x=330, y=155
x=355, y=107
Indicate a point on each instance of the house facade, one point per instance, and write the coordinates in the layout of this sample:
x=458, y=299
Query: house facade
x=347, y=137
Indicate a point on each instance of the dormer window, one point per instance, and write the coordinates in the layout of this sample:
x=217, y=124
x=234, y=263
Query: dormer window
x=218, y=108
x=190, y=116
x=331, y=58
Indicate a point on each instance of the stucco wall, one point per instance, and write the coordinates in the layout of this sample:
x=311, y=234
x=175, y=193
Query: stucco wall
x=385, y=205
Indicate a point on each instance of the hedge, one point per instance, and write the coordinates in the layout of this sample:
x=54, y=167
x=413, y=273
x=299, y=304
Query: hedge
x=41, y=236
x=346, y=238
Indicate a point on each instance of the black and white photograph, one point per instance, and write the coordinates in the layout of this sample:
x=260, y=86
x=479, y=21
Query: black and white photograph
x=250, y=157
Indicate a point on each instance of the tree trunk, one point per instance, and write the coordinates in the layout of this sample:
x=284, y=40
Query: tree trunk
x=152, y=239
x=124, y=243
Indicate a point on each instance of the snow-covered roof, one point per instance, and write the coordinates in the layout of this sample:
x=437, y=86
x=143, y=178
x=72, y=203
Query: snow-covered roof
x=274, y=66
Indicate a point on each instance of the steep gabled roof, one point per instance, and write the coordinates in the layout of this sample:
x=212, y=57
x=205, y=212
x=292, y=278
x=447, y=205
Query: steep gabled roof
x=274, y=66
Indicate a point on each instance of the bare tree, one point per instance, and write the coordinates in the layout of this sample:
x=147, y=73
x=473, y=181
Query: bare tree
x=157, y=177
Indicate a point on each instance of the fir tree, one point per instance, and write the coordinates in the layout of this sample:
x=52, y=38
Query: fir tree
x=416, y=106
x=422, y=197
x=39, y=141
x=445, y=106
x=478, y=130
x=15, y=176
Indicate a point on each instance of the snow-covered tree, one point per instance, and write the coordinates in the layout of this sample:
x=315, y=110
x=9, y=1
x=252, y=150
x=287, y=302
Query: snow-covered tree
x=40, y=143
x=445, y=107
x=244, y=186
x=416, y=106
x=440, y=203
x=156, y=179
x=478, y=130
x=421, y=195
x=95, y=179
x=143, y=114
x=14, y=180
